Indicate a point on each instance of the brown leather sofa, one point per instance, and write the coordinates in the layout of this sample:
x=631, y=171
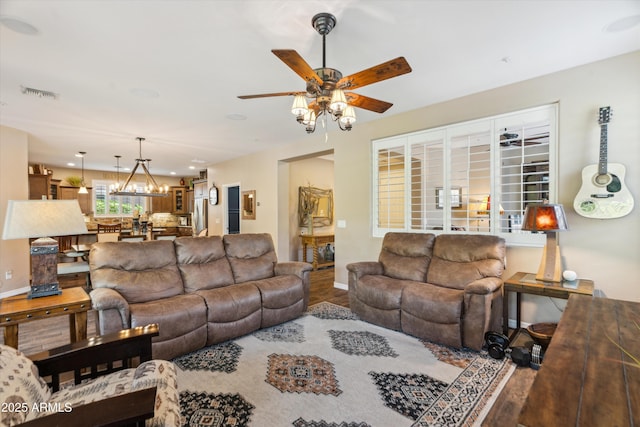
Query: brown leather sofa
x=199, y=290
x=446, y=288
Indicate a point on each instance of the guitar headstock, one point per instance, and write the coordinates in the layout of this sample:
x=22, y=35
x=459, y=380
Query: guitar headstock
x=604, y=115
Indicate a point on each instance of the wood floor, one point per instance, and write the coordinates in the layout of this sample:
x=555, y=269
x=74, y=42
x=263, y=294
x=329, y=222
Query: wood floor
x=45, y=334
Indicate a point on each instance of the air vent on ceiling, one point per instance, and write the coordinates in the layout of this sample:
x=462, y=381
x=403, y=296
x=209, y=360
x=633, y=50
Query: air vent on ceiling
x=39, y=93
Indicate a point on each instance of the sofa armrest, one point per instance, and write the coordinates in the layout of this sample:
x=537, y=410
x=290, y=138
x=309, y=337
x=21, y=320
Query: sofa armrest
x=364, y=268
x=86, y=358
x=484, y=286
x=297, y=268
x=103, y=299
x=125, y=409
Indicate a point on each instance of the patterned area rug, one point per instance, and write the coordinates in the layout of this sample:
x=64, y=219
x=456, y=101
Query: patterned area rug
x=330, y=369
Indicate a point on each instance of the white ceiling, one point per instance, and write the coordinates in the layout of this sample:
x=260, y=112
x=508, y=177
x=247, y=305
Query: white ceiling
x=104, y=59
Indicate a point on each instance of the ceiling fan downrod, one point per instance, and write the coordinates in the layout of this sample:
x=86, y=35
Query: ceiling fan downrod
x=324, y=23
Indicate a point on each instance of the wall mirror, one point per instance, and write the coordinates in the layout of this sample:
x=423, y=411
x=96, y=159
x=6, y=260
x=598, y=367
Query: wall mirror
x=317, y=204
x=249, y=204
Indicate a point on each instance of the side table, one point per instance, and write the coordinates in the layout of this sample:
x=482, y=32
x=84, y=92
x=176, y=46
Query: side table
x=526, y=283
x=316, y=240
x=73, y=302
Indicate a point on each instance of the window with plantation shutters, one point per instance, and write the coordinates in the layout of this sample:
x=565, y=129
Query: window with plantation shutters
x=471, y=177
x=105, y=204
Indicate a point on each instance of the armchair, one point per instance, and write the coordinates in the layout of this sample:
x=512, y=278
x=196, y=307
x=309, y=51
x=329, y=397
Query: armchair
x=107, y=390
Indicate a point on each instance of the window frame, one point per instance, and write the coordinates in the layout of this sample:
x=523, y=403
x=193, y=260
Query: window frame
x=97, y=183
x=497, y=170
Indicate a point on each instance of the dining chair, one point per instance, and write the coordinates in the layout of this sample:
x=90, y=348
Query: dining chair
x=109, y=228
x=108, y=237
x=66, y=247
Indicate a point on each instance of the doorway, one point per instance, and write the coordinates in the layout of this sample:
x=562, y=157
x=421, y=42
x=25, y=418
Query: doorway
x=233, y=209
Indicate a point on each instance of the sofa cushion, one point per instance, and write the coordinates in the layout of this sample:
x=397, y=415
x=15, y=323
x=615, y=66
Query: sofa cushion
x=461, y=259
x=406, y=255
x=252, y=256
x=231, y=303
x=162, y=375
x=139, y=271
x=380, y=292
x=280, y=291
x=202, y=263
x=175, y=316
x=433, y=303
x=21, y=387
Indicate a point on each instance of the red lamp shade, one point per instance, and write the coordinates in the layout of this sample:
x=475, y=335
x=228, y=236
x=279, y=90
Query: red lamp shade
x=544, y=217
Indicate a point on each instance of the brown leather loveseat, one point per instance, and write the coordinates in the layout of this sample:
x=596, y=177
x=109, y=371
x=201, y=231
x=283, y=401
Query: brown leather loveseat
x=446, y=288
x=199, y=290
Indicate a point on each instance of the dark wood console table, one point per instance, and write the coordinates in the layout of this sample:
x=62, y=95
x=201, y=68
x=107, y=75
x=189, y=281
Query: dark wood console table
x=586, y=379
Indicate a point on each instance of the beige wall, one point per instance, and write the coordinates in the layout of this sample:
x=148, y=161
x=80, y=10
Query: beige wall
x=14, y=254
x=607, y=251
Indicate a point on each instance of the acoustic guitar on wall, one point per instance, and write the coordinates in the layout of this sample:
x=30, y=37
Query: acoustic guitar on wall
x=603, y=194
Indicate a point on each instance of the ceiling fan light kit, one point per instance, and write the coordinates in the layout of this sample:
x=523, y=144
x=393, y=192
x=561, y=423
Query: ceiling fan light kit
x=326, y=86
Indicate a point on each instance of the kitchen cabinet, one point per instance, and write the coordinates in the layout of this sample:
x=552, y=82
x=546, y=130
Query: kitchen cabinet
x=200, y=189
x=162, y=204
x=39, y=186
x=180, y=203
x=84, y=200
x=54, y=189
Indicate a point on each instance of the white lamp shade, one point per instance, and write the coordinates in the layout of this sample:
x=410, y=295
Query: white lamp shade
x=83, y=190
x=42, y=218
x=299, y=107
x=338, y=101
x=349, y=116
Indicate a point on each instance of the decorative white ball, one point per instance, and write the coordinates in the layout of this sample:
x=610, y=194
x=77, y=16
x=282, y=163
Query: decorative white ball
x=569, y=275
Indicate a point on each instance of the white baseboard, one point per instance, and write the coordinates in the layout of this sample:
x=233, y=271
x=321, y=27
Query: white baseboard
x=342, y=286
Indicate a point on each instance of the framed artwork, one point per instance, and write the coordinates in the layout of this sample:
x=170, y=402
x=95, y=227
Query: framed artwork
x=456, y=197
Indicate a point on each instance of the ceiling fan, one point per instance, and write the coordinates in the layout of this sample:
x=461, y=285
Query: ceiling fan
x=326, y=86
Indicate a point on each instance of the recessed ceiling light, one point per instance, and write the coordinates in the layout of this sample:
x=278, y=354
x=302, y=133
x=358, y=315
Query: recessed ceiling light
x=18, y=25
x=236, y=116
x=144, y=93
x=192, y=167
x=172, y=173
x=622, y=24
x=197, y=161
x=71, y=164
x=79, y=155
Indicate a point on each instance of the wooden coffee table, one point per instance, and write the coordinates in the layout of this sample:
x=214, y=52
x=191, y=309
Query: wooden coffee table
x=73, y=302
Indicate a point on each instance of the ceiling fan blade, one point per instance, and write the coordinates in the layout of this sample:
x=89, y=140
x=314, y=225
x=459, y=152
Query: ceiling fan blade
x=267, y=95
x=384, y=71
x=367, y=103
x=297, y=64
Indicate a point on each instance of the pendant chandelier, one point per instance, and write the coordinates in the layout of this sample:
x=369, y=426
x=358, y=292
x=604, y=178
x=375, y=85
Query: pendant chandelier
x=151, y=188
x=83, y=186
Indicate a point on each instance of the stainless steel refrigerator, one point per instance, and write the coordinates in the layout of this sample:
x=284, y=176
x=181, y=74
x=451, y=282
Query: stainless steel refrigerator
x=199, y=215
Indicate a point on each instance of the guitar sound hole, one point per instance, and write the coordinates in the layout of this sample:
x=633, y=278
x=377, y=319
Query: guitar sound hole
x=603, y=179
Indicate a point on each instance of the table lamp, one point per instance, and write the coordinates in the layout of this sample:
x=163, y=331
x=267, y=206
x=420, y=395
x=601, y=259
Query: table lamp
x=548, y=218
x=39, y=219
